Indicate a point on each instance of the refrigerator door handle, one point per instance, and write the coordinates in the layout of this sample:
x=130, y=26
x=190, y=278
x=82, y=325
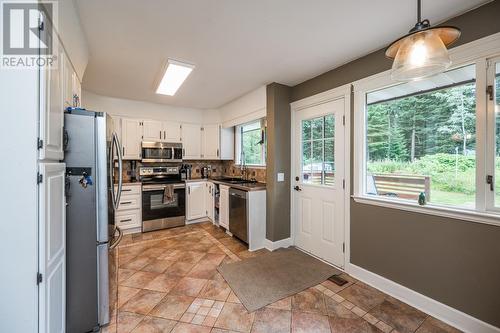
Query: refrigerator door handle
x=120, y=168
x=111, y=171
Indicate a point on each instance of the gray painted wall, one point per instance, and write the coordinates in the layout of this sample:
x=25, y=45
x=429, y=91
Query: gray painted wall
x=452, y=261
x=278, y=160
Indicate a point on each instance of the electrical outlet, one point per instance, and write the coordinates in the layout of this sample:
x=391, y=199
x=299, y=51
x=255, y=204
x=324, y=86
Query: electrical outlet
x=281, y=177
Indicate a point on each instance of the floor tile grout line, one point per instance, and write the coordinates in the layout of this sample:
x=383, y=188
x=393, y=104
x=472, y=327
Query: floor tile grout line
x=149, y=312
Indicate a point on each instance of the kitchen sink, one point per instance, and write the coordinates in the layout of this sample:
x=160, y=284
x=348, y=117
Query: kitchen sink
x=235, y=180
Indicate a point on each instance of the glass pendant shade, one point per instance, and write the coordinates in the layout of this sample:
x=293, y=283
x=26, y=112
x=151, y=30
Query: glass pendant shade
x=420, y=55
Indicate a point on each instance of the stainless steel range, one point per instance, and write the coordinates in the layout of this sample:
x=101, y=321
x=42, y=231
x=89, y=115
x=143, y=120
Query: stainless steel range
x=163, y=198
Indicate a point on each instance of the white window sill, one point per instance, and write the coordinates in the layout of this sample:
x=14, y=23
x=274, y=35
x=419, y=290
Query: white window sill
x=454, y=213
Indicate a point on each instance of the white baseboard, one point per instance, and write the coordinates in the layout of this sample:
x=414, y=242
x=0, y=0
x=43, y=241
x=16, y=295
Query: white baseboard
x=134, y=230
x=443, y=312
x=271, y=246
x=200, y=220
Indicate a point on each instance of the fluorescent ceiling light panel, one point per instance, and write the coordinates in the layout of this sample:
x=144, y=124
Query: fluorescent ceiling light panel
x=174, y=76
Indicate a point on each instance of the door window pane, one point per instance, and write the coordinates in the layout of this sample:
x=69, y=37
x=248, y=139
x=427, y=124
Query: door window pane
x=329, y=126
x=317, y=128
x=318, y=150
x=421, y=138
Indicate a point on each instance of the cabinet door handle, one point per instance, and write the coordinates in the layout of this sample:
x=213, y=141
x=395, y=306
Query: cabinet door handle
x=126, y=190
x=160, y=135
x=126, y=203
x=217, y=152
x=124, y=150
x=164, y=135
x=126, y=220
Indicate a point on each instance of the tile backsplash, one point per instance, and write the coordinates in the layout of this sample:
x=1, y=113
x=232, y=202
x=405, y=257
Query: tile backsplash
x=219, y=168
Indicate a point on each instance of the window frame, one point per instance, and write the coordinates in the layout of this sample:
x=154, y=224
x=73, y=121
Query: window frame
x=479, y=53
x=238, y=144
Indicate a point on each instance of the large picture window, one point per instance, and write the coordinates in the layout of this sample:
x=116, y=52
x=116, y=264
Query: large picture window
x=421, y=139
x=432, y=145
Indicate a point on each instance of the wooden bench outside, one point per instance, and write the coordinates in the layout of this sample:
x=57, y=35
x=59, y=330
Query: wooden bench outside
x=402, y=186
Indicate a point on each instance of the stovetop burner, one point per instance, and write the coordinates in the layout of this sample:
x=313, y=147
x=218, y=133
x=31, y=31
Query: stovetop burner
x=159, y=175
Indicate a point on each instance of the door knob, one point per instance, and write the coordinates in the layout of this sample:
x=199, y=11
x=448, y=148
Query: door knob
x=297, y=188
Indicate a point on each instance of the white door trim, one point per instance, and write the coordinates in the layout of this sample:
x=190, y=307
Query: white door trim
x=321, y=98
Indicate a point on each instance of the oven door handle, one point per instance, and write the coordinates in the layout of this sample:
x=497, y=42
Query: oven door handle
x=147, y=188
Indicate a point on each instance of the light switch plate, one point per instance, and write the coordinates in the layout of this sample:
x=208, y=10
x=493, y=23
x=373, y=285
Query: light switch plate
x=281, y=177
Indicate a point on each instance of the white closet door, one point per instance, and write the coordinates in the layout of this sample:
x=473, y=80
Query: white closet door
x=52, y=248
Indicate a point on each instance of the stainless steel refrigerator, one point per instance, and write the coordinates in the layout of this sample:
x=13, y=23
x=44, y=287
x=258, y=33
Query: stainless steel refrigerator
x=92, y=151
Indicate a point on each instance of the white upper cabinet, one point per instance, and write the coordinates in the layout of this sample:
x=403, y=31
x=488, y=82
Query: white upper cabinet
x=196, y=197
x=210, y=142
x=51, y=113
x=157, y=131
x=191, y=141
x=152, y=130
x=227, y=143
x=131, y=139
x=171, y=131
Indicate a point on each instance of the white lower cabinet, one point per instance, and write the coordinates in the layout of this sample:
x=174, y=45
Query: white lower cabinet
x=128, y=219
x=210, y=200
x=128, y=216
x=195, y=203
x=224, y=206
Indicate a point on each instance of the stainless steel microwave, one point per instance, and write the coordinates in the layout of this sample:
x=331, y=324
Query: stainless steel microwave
x=161, y=152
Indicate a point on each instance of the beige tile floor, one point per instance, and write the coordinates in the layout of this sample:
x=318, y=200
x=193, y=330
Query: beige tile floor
x=168, y=282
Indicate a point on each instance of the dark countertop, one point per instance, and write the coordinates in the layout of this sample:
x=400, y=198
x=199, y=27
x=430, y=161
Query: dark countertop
x=241, y=186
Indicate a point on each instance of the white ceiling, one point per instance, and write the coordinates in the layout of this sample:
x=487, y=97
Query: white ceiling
x=236, y=45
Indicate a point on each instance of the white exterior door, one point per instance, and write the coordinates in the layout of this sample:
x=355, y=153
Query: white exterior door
x=171, y=131
x=52, y=249
x=196, y=197
x=152, y=130
x=191, y=141
x=210, y=142
x=131, y=139
x=51, y=113
x=318, y=180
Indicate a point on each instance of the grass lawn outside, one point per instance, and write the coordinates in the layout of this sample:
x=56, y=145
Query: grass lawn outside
x=453, y=198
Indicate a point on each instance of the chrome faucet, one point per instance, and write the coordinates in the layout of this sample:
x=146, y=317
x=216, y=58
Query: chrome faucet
x=243, y=168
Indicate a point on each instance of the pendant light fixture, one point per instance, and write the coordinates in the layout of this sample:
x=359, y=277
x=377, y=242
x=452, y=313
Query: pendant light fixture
x=423, y=51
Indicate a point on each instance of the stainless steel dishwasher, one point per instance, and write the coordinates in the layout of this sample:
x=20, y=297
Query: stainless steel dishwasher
x=238, y=223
